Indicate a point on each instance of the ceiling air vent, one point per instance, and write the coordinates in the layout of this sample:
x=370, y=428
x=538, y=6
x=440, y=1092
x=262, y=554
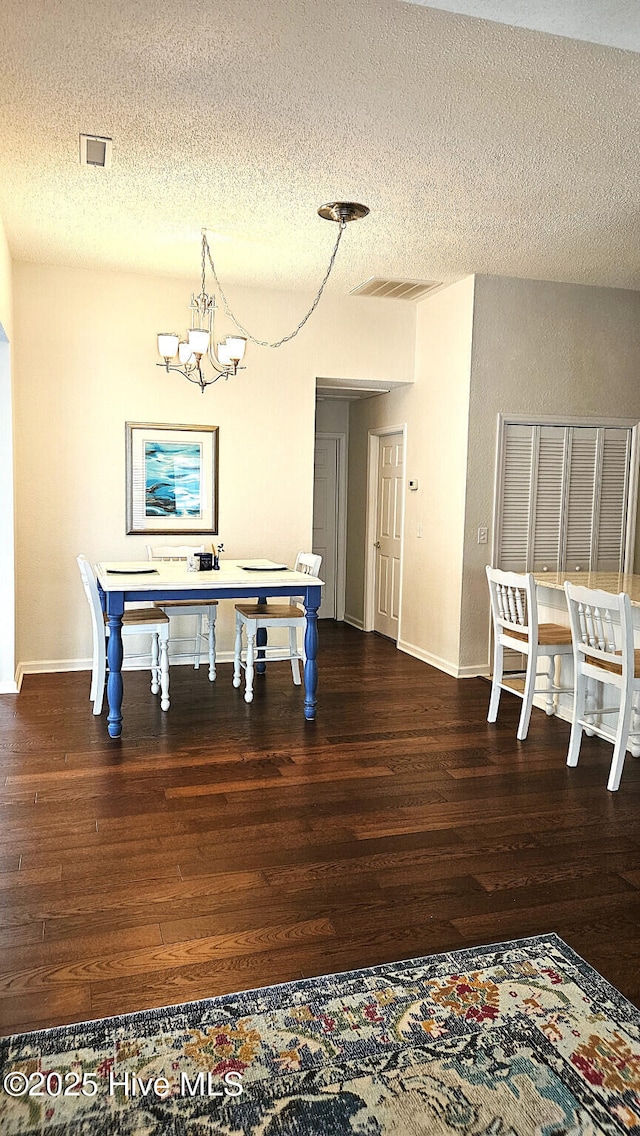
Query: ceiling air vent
x=394, y=289
x=95, y=151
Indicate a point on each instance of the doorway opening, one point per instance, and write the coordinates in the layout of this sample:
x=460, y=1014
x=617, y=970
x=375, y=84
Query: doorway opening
x=330, y=519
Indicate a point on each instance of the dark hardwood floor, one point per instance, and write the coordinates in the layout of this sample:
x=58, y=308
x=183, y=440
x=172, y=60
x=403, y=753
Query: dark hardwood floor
x=222, y=846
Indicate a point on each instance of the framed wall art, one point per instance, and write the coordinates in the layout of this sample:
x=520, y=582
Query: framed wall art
x=172, y=478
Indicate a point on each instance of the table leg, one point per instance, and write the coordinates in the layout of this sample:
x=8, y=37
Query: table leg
x=311, y=605
x=115, y=606
x=261, y=642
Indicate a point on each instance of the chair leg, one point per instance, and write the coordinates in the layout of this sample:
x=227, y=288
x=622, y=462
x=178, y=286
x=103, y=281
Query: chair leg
x=622, y=736
x=98, y=679
x=527, y=697
x=196, y=643
x=251, y=644
x=634, y=731
x=293, y=649
x=579, y=700
x=164, y=669
x=494, y=701
x=155, y=668
x=551, y=679
x=212, y=645
x=237, y=653
x=95, y=667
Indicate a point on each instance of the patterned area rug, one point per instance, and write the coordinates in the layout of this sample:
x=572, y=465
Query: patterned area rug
x=505, y=1040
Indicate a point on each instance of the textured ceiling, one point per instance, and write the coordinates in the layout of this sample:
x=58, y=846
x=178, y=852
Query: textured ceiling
x=615, y=23
x=479, y=147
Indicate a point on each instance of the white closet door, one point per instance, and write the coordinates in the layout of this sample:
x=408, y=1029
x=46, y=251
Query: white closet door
x=563, y=498
x=581, y=499
x=514, y=515
x=547, y=531
x=613, y=501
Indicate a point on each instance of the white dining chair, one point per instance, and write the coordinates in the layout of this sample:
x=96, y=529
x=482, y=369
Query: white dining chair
x=251, y=617
x=135, y=621
x=514, y=608
x=204, y=611
x=604, y=651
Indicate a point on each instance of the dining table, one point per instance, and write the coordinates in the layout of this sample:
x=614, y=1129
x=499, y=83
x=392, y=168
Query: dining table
x=122, y=582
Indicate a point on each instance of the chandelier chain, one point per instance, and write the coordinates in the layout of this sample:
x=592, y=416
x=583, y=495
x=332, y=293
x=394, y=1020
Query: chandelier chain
x=229, y=313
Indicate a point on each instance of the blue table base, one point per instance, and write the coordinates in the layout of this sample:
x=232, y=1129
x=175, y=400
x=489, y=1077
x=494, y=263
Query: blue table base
x=113, y=604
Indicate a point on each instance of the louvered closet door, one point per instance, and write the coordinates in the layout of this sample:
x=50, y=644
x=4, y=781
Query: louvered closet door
x=563, y=498
x=581, y=499
x=515, y=506
x=613, y=500
x=550, y=444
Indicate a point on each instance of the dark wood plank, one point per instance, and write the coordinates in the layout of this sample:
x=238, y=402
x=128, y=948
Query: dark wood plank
x=223, y=846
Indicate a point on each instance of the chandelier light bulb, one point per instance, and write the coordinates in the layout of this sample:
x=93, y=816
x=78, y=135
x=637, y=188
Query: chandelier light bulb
x=236, y=345
x=224, y=357
x=185, y=353
x=168, y=344
x=198, y=340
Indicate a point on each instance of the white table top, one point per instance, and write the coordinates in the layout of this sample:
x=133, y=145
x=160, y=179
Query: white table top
x=615, y=582
x=173, y=574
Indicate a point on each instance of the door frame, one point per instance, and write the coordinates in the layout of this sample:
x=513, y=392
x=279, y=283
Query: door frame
x=341, y=516
x=373, y=459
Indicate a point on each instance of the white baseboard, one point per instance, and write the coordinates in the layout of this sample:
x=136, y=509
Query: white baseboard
x=59, y=666
x=480, y=670
x=442, y=664
x=359, y=623
x=9, y=688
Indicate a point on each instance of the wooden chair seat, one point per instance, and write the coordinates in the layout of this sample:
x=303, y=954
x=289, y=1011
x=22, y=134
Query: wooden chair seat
x=270, y=611
x=141, y=615
x=548, y=634
x=612, y=666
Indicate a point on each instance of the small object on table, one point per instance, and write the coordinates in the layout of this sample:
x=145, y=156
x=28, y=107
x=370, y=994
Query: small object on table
x=216, y=556
x=206, y=561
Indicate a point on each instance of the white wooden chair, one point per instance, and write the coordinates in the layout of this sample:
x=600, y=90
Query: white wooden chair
x=204, y=610
x=514, y=608
x=135, y=621
x=251, y=617
x=603, y=649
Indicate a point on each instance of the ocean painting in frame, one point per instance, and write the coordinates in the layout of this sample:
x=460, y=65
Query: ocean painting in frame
x=172, y=478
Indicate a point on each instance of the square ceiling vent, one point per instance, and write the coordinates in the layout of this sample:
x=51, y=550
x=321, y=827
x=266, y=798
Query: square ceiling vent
x=95, y=151
x=394, y=289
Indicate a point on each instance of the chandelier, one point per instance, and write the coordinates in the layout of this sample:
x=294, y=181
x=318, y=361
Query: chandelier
x=197, y=351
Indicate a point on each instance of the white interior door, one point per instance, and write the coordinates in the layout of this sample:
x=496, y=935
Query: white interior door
x=325, y=520
x=389, y=534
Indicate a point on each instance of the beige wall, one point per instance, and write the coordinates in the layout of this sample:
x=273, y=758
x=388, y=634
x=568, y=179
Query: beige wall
x=6, y=285
x=7, y=580
x=435, y=410
x=332, y=416
x=539, y=348
x=499, y=345
x=96, y=369
x=478, y=347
